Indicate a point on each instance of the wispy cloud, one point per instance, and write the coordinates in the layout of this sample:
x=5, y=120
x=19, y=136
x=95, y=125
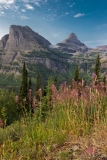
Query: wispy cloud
x=7, y=1
x=19, y=6
x=10, y=4
x=71, y=5
x=55, y=35
x=23, y=10
x=96, y=42
x=23, y=17
x=2, y=13
x=66, y=13
x=29, y=7
x=79, y=15
x=36, y=2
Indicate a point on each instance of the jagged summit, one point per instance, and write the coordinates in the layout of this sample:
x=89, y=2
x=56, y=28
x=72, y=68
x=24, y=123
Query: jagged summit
x=72, y=35
x=71, y=38
x=71, y=44
x=23, y=38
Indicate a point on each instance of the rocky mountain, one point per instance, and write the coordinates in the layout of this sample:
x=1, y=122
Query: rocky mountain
x=22, y=38
x=22, y=44
x=71, y=45
x=104, y=47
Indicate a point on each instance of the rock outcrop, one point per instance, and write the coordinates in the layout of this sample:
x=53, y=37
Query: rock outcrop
x=23, y=38
x=72, y=45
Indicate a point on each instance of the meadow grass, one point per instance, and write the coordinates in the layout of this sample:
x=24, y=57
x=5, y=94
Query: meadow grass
x=77, y=112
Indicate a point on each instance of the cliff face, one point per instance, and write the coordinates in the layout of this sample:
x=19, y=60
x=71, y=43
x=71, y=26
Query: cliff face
x=23, y=38
x=3, y=41
x=71, y=45
x=23, y=44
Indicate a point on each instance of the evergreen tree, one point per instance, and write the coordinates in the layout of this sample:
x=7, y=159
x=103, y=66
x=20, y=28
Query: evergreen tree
x=97, y=67
x=104, y=80
x=38, y=86
x=47, y=99
x=30, y=95
x=38, y=82
x=55, y=80
x=30, y=84
x=24, y=85
x=76, y=75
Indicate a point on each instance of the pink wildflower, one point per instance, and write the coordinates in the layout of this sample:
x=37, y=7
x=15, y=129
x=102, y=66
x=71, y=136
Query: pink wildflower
x=30, y=90
x=16, y=99
x=91, y=151
x=34, y=105
x=94, y=75
x=40, y=93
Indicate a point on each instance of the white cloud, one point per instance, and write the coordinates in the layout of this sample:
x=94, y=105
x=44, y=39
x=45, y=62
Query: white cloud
x=23, y=17
x=66, y=13
x=26, y=1
x=2, y=13
x=71, y=5
x=13, y=5
x=23, y=10
x=55, y=35
x=15, y=8
x=96, y=43
x=36, y=2
x=6, y=6
x=29, y=7
x=79, y=15
x=7, y=1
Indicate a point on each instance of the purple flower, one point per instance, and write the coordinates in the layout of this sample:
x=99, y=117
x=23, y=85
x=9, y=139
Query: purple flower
x=94, y=75
x=87, y=87
x=30, y=90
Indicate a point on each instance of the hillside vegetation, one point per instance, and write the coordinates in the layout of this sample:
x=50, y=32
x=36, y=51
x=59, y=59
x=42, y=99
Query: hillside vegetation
x=59, y=122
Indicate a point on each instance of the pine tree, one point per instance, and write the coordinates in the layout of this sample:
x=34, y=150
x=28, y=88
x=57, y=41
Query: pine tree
x=30, y=84
x=76, y=75
x=30, y=95
x=24, y=85
x=104, y=80
x=38, y=86
x=38, y=82
x=97, y=67
x=47, y=99
x=55, y=80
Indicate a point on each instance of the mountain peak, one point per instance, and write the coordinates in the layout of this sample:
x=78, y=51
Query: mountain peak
x=19, y=27
x=72, y=35
x=71, y=44
x=23, y=38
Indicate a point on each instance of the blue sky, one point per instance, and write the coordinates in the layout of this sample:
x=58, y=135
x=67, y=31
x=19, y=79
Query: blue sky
x=56, y=19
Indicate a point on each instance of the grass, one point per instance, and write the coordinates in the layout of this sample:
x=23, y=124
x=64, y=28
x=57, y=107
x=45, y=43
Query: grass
x=74, y=120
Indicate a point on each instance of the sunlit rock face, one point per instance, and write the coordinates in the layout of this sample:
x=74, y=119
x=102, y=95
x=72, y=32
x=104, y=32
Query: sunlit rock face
x=23, y=38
